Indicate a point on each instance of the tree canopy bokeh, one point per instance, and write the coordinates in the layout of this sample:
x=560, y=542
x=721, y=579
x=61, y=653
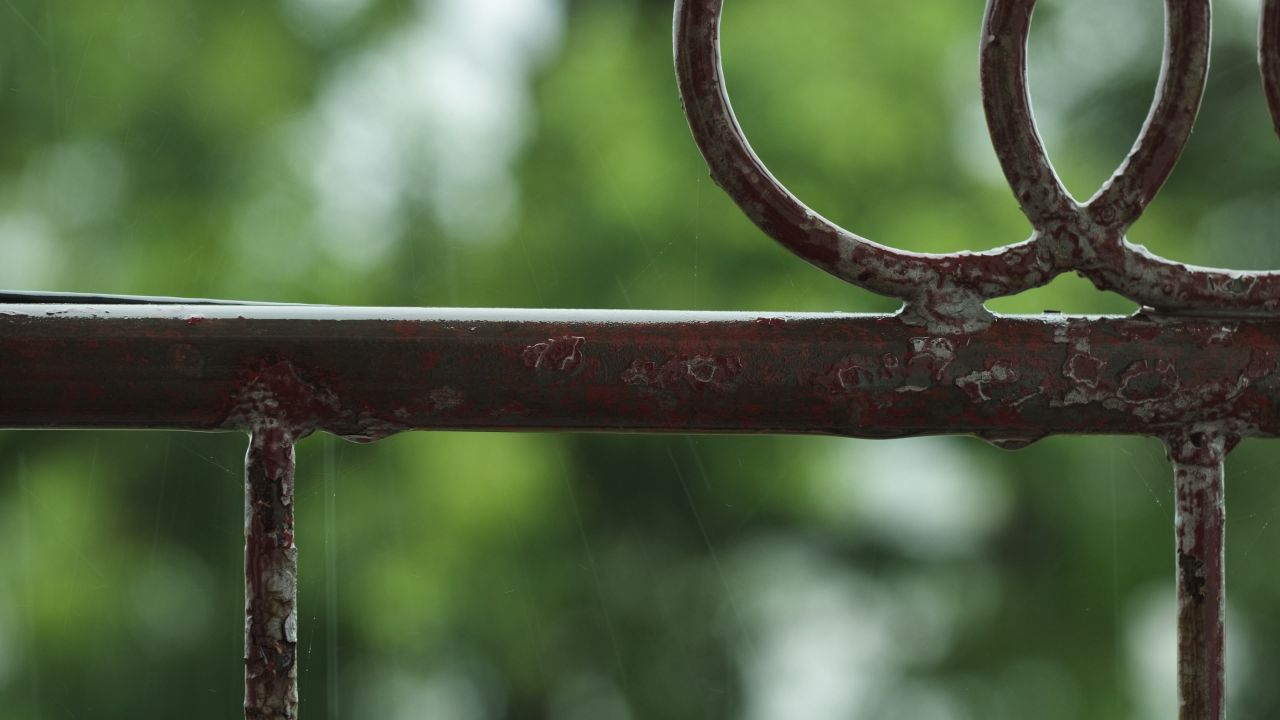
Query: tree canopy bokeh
x=532, y=153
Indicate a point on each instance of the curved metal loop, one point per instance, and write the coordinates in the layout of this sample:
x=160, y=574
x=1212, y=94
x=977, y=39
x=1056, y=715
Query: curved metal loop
x=933, y=286
x=1006, y=100
x=1022, y=154
x=1090, y=238
x=1183, y=76
x=1134, y=272
x=1269, y=56
x=1087, y=238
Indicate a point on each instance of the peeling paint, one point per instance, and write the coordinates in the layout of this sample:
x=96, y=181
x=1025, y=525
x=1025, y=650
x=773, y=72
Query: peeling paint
x=271, y=578
x=275, y=396
x=981, y=384
x=1148, y=381
x=1197, y=453
x=697, y=371
x=1084, y=369
x=562, y=354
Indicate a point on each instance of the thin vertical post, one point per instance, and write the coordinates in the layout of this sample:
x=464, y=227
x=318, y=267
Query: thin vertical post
x=1199, y=523
x=271, y=578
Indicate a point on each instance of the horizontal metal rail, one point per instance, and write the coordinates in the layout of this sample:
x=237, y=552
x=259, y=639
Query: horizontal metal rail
x=365, y=374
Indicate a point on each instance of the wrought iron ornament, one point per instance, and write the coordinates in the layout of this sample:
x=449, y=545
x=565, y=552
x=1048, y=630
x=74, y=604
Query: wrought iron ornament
x=947, y=292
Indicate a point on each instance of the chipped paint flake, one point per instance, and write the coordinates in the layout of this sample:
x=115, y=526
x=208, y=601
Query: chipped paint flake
x=697, y=371
x=982, y=385
x=563, y=354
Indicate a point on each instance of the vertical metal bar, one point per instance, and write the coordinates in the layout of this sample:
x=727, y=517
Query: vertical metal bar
x=271, y=578
x=1199, y=522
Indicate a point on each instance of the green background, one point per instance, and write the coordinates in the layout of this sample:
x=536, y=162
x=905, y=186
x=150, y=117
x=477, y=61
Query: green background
x=532, y=153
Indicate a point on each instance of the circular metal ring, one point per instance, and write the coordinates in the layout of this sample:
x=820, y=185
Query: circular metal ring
x=1088, y=238
x=931, y=284
x=1134, y=272
x=1006, y=100
x=1022, y=155
x=1183, y=75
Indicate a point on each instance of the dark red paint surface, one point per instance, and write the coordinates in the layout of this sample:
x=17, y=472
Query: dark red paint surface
x=864, y=376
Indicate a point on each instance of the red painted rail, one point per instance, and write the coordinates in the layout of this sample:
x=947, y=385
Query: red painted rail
x=366, y=374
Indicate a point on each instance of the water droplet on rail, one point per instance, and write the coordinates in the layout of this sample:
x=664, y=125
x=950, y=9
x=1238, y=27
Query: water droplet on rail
x=1012, y=442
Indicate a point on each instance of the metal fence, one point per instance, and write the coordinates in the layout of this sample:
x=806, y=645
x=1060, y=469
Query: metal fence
x=1196, y=367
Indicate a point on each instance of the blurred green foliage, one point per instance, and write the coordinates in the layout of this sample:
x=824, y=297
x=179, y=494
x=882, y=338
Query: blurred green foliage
x=533, y=154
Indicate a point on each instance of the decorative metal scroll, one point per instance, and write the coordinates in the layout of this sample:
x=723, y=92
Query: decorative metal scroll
x=946, y=292
x=1088, y=238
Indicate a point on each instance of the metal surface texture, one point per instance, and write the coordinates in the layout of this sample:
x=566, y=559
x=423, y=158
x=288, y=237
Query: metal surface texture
x=1198, y=368
x=945, y=293
x=365, y=375
x=1200, y=524
x=270, y=571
